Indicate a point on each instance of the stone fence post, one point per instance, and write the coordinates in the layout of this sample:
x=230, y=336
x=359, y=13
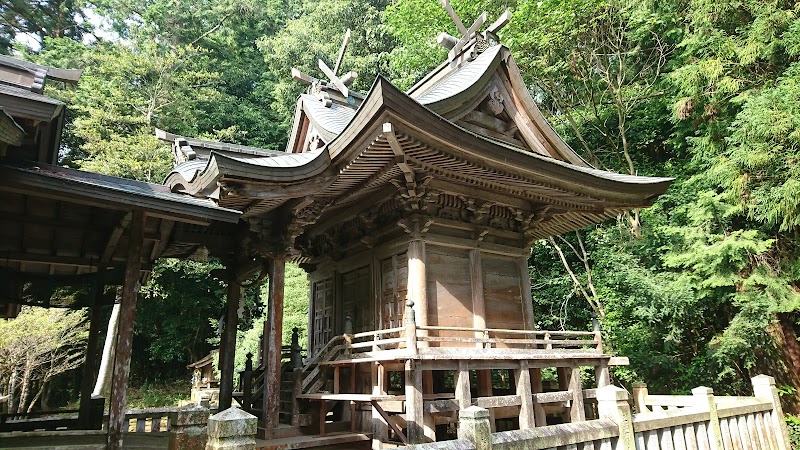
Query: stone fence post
x=232, y=429
x=764, y=388
x=704, y=400
x=612, y=404
x=188, y=428
x=473, y=425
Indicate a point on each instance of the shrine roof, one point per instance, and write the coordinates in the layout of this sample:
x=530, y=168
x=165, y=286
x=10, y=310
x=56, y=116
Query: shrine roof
x=428, y=92
x=383, y=103
x=113, y=189
x=333, y=118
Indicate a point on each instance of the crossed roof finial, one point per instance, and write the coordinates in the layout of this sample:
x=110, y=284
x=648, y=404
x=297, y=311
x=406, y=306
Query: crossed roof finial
x=455, y=45
x=318, y=86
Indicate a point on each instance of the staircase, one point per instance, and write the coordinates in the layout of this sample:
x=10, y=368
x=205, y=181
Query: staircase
x=311, y=376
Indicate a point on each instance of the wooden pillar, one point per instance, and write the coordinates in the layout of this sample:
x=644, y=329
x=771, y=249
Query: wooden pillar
x=485, y=390
x=228, y=344
x=272, y=375
x=536, y=388
x=478, y=303
x=523, y=382
x=380, y=429
x=127, y=314
x=89, y=363
x=417, y=288
x=414, y=403
x=463, y=393
x=428, y=419
x=525, y=286
x=576, y=411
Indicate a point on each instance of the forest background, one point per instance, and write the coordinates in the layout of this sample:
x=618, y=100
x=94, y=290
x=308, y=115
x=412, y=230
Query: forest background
x=699, y=289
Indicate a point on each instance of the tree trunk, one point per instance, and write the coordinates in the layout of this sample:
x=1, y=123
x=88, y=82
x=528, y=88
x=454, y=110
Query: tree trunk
x=26, y=386
x=12, y=390
x=38, y=394
x=103, y=385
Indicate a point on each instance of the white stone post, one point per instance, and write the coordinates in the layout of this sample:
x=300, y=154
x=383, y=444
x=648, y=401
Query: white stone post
x=612, y=404
x=704, y=400
x=473, y=425
x=232, y=429
x=764, y=388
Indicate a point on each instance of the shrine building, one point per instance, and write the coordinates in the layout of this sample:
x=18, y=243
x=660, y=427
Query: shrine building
x=413, y=214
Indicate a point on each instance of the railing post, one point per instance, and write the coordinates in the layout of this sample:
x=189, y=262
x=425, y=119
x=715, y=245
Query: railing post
x=297, y=389
x=704, y=400
x=188, y=430
x=247, y=382
x=612, y=404
x=640, y=398
x=411, y=328
x=232, y=429
x=764, y=388
x=296, y=357
x=473, y=425
x=348, y=324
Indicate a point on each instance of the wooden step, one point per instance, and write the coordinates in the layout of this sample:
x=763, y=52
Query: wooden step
x=329, y=441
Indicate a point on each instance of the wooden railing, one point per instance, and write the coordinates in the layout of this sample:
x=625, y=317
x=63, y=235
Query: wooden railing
x=153, y=420
x=521, y=339
x=695, y=422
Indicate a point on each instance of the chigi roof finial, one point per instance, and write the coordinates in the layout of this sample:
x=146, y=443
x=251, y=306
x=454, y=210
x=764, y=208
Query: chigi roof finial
x=319, y=87
x=483, y=40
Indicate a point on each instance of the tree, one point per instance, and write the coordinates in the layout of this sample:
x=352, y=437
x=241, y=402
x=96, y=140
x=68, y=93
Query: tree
x=39, y=19
x=36, y=346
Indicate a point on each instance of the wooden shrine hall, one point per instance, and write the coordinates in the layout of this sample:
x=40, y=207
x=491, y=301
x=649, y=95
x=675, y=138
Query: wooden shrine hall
x=413, y=214
x=74, y=239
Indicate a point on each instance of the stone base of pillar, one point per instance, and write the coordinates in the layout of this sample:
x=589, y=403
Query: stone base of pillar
x=189, y=430
x=232, y=429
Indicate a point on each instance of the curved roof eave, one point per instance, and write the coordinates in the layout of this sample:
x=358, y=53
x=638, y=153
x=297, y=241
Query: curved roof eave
x=384, y=100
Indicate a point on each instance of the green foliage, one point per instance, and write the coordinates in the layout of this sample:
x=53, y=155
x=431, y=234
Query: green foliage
x=161, y=394
x=295, y=314
x=36, y=346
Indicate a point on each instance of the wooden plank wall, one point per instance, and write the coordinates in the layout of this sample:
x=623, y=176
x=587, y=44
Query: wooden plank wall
x=502, y=292
x=449, y=287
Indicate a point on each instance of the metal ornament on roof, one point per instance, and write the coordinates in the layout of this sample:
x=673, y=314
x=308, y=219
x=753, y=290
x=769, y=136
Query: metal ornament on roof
x=482, y=40
x=320, y=88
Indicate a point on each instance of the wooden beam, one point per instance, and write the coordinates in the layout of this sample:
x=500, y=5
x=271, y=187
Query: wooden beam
x=34, y=258
x=576, y=412
x=381, y=413
x=122, y=361
x=414, y=404
x=108, y=252
x=228, y=344
x=272, y=375
x=523, y=382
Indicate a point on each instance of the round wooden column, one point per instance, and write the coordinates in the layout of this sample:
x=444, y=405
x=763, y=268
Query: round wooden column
x=417, y=282
x=228, y=344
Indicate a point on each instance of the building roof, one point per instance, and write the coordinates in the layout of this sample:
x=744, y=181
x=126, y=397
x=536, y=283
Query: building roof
x=471, y=124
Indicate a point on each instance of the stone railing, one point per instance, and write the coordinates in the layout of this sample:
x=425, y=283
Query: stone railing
x=695, y=422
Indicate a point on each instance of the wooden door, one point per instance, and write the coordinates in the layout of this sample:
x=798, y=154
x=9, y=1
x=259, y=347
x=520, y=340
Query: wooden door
x=394, y=289
x=357, y=301
x=322, y=291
